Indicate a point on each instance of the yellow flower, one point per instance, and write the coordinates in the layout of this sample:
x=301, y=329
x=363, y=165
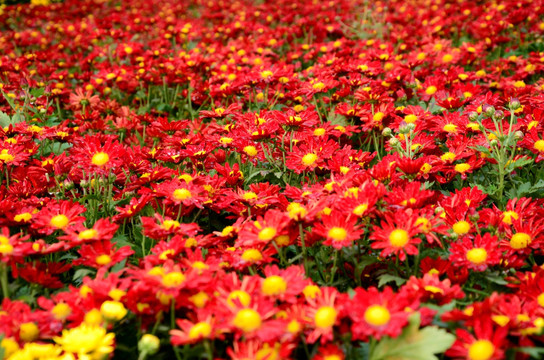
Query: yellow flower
x=87, y=341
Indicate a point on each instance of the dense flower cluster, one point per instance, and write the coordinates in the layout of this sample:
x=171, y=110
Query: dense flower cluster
x=272, y=180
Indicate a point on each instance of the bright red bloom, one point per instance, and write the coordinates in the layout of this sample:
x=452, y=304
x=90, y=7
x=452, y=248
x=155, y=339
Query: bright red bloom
x=477, y=254
x=58, y=216
x=340, y=231
x=396, y=235
x=324, y=312
x=430, y=288
x=102, y=254
x=488, y=342
x=377, y=314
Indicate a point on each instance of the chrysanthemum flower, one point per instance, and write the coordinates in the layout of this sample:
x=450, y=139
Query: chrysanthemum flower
x=87, y=341
x=396, y=235
x=339, y=230
x=477, y=254
x=376, y=314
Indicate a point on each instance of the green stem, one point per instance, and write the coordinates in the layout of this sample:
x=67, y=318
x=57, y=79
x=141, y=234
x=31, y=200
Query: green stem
x=302, y=242
x=334, y=267
x=4, y=280
x=173, y=325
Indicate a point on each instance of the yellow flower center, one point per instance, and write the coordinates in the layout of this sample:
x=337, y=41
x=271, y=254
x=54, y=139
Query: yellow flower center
x=25, y=217
x=59, y=221
x=319, y=132
x=431, y=90
x=309, y=159
x=182, y=194
x=173, y=279
x=6, y=249
x=266, y=74
x=461, y=227
x=247, y=320
x=103, y=259
x=250, y=150
x=410, y=118
x=325, y=317
x=252, y=255
x=28, y=331
x=274, y=285
x=170, y=224
x=200, y=330
x=267, y=234
x=424, y=224
x=507, y=217
x=477, y=256
x=449, y=156
x=311, y=291
x=451, y=128
x=318, y=86
x=378, y=117
x=250, y=195
x=447, y=58
x=338, y=233
x=360, y=209
x=243, y=298
x=540, y=300
x=520, y=240
x=5, y=156
x=462, y=168
x=100, y=159
x=87, y=234
x=377, y=315
x=398, y=238
x=539, y=145
x=481, y=350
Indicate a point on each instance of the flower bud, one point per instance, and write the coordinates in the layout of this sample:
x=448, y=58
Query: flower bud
x=113, y=310
x=394, y=142
x=403, y=129
x=488, y=110
x=149, y=344
x=499, y=115
x=519, y=135
x=473, y=116
x=514, y=104
x=386, y=132
x=68, y=185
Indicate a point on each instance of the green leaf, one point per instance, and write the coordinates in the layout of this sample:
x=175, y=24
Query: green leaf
x=518, y=163
x=5, y=119
x=37, y=92
x=414, y=343
x=535, y=352
x=496, y=279
x=387, y=278
x=2, y=351
x=80, y=274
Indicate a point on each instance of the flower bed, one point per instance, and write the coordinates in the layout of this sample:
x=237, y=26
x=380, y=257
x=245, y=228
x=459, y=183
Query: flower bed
x=272, y=180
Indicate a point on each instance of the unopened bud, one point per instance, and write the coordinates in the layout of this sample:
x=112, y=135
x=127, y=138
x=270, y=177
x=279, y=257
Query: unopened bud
x=499, y=115
x=488, y=110
x=393, y=142
x=149, y=344
x=514, y=104
x=519, y=135
x=473, y=116
x=386, y=132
